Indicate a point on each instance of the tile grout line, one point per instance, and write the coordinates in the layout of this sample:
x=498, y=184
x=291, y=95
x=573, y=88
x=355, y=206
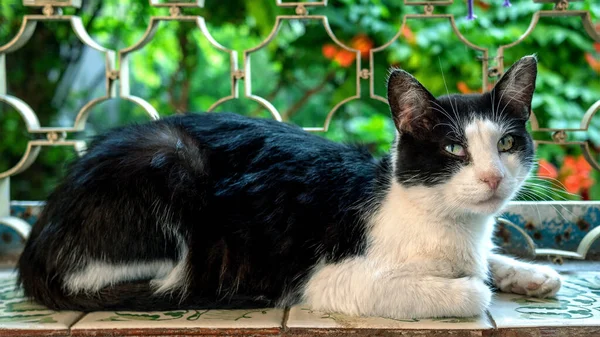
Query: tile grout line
x=491, y=319
x=83, y=314
x=286, y=315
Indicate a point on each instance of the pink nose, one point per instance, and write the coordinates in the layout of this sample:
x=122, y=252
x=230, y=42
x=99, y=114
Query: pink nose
x=492, y=180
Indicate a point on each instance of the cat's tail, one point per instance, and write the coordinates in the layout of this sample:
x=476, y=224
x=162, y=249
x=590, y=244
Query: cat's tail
x=45, y=286
x=127, y=296
x=132, y=296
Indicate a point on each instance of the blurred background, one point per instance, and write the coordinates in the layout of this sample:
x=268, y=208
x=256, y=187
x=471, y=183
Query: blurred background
x=302, y=72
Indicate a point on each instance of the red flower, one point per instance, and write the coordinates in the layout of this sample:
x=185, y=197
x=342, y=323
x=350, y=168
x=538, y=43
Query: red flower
x=329, y=51
x=363, y=44
x=546, y=169
x=345, y=58
x=409, y=35
x=575, y=175
x=582, y=165
x=464, y=88
x=572, y=184
x=569, y=164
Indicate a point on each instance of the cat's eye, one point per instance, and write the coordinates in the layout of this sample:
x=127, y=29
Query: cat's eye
x=455, y=149
x=506, y=143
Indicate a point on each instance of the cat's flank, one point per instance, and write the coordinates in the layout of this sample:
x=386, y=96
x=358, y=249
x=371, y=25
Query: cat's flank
x=223, y=211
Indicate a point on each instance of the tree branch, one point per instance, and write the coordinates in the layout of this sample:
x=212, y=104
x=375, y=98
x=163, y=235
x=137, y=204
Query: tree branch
x=181, y=103
x=289, y=113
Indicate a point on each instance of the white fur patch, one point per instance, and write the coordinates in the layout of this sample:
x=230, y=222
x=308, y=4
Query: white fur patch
x=166, y=275
x=97, y=274
x=177, y=279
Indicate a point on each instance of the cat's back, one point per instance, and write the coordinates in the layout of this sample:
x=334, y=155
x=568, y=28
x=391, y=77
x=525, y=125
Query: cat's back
x=230, y=131
x=234, y=154
x=235, y=144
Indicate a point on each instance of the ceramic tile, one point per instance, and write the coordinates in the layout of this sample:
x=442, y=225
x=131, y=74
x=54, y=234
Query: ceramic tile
x=577, y=304
x=559, y=225
x=268, y=320
x=303, y=318
x=19, y=315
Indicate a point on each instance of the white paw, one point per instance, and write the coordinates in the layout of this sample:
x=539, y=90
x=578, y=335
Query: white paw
x=528, y=279
x=473, y=298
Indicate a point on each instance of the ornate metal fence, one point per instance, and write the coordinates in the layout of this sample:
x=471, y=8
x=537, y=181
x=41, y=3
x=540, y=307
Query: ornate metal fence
x=117, y=78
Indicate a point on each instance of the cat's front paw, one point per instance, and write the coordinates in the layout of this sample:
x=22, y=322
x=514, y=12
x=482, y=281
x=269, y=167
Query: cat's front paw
x=472, y=298
x=530, y=280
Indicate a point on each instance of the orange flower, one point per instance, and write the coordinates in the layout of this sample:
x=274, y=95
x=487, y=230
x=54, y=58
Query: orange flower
x=363, y=44
x=464, y=88
x=586, y=182
x=345, y=58
x=595, y=64
x=569, y=163
x=546, y=169
x=329, y=51
x=572, y=184
x=582, y=165
x=409, y=35
x=575, y=174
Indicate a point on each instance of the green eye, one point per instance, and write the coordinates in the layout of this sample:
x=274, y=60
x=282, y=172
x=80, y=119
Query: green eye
x=455, y=149
x=506, y=143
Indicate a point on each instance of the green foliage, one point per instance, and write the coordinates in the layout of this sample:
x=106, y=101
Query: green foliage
x=180, y=70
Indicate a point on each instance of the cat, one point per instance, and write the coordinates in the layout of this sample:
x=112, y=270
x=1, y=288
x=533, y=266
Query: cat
x=216, y=210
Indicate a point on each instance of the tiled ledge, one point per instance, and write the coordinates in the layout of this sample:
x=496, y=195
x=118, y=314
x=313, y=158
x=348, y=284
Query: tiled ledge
x=576, y=312
x=185, y=322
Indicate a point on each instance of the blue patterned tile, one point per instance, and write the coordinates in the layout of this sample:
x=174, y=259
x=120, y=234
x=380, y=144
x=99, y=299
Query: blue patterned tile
x=549, y=224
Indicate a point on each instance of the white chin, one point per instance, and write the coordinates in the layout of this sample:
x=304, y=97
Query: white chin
x=488, y=207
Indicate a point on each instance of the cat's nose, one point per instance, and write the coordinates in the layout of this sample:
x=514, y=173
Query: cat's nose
x=491, y=179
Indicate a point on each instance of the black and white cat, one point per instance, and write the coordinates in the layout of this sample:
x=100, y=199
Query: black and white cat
x=223, y=211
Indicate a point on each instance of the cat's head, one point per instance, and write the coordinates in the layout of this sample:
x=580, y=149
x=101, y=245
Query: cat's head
x=468, y=153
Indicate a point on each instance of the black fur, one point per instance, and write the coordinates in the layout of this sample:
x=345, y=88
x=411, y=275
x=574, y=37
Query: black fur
x=259, y=202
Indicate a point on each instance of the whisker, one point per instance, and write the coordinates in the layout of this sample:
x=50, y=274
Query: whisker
x=447, y=91
x=563, y=207
x=525, y=194
x=557, y=182
x=549, y=191
x=554, y=207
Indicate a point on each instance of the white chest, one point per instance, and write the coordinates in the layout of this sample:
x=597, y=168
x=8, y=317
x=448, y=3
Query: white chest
x=405, y=238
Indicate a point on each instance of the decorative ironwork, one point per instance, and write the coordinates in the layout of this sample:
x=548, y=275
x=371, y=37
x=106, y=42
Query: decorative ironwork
x=117, y=72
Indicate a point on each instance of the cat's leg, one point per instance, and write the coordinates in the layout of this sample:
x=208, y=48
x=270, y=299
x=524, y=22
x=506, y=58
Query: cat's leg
x=357, y=288
x=513, y=276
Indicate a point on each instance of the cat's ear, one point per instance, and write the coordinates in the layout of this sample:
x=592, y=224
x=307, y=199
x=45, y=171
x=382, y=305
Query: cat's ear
x=514, y=91
x=410, y=103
